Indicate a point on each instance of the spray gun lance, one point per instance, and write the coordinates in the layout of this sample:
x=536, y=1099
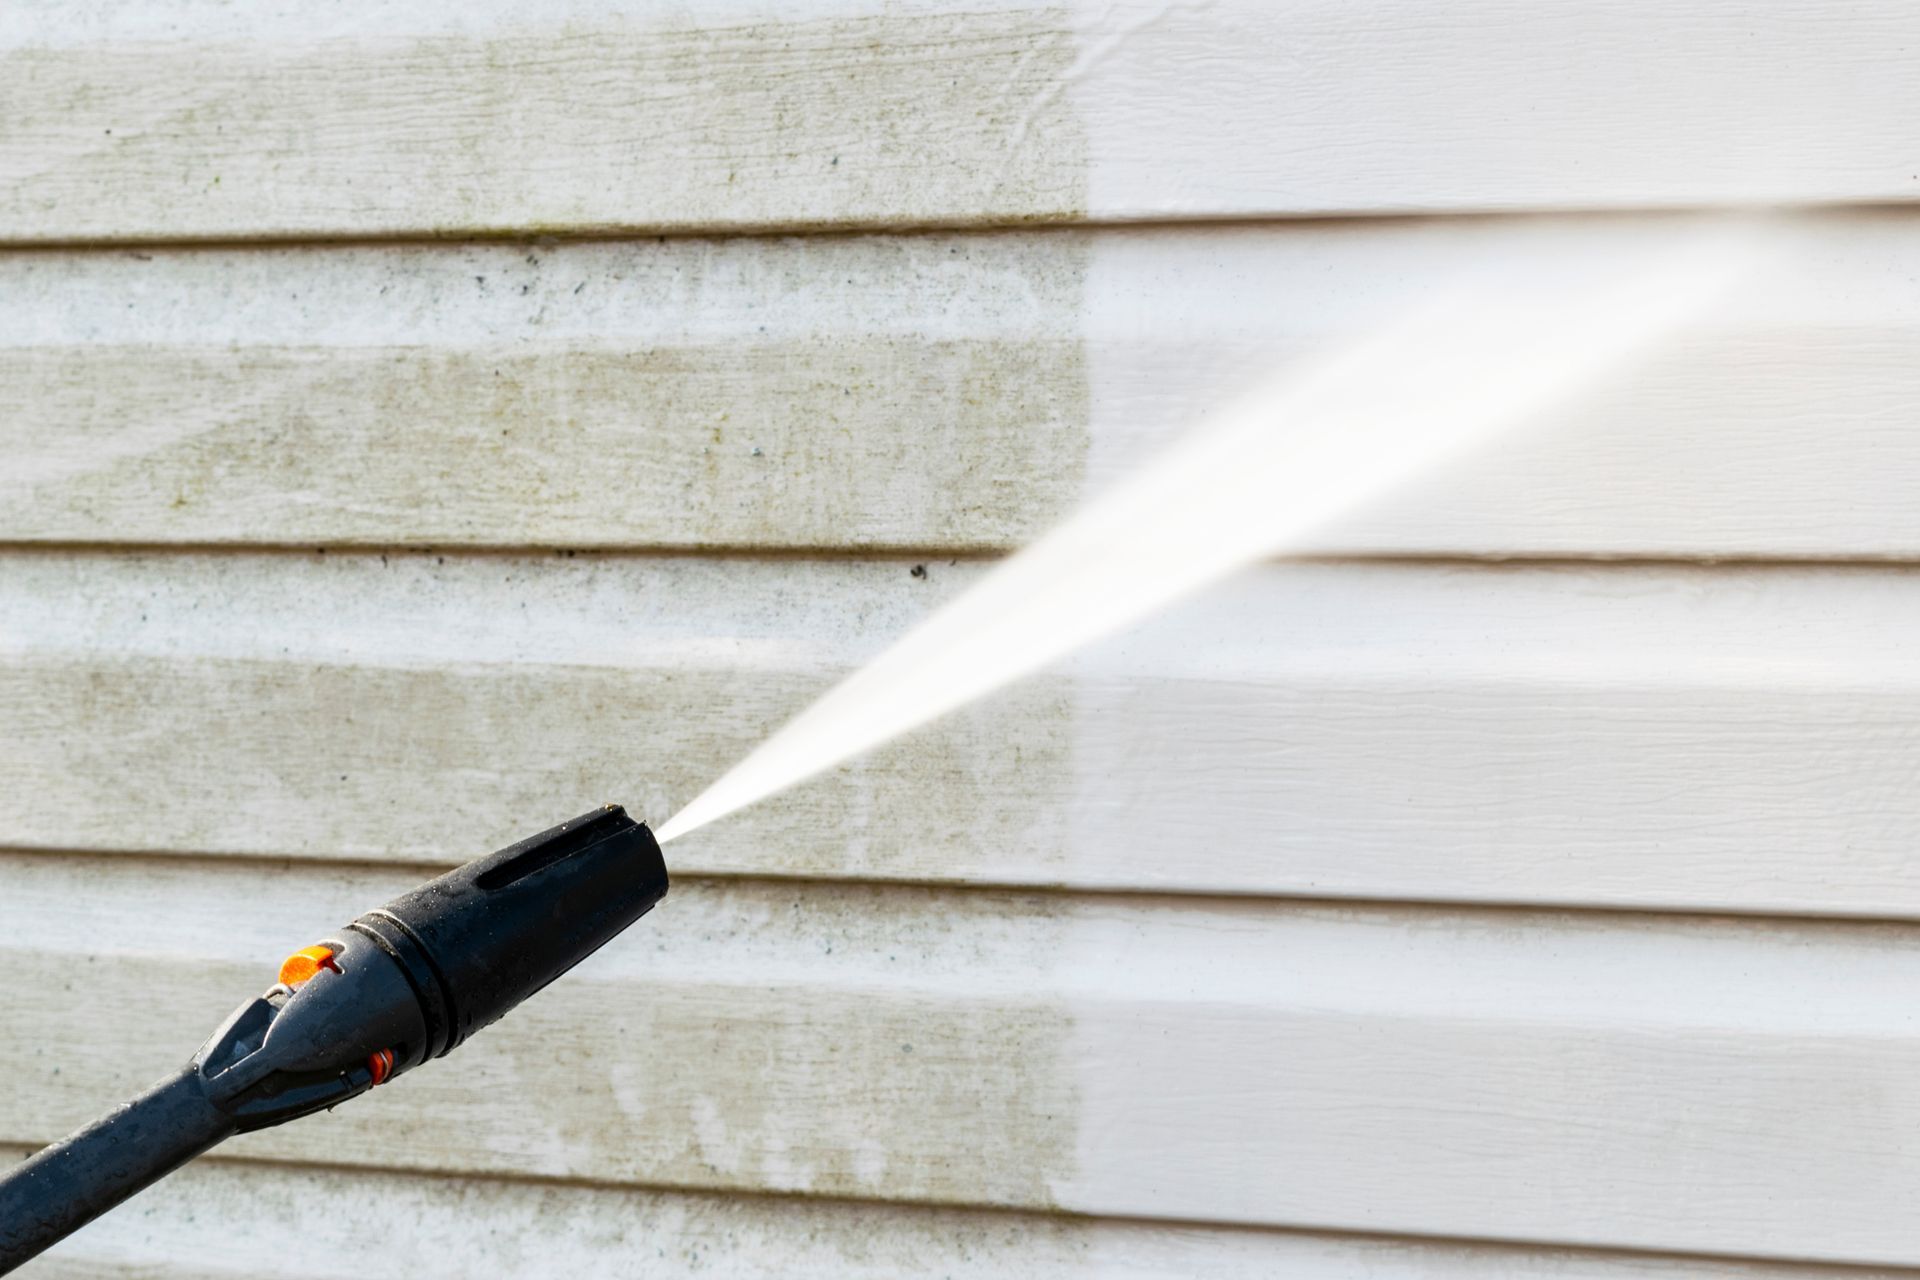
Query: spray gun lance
x=400, y=985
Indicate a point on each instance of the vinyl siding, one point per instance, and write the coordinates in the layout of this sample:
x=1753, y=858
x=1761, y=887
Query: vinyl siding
x=420, y=427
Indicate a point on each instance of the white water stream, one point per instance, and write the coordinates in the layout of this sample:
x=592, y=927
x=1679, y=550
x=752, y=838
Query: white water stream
x=1476, y=358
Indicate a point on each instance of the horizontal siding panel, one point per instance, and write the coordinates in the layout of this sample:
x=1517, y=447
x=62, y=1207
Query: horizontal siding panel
x=627, y=117
x=1733, y=739
x=217, y=1218
x=749, y=393
x=173, y=119
x=1683, y=1084
x=932, y=392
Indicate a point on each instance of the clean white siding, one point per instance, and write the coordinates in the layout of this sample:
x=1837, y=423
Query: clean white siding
x=1522, y=886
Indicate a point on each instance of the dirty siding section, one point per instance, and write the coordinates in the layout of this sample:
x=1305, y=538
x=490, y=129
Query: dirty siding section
x=627, y=117
x=420, y=427
x=857, y=392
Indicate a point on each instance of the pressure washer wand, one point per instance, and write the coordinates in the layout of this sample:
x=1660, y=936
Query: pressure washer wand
x=402, y=984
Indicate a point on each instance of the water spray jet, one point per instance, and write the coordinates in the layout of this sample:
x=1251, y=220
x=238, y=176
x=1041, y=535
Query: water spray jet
x=1253, y=481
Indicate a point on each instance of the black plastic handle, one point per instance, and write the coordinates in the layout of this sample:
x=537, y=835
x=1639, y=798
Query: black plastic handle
x=402, y=984
x=57, y=1191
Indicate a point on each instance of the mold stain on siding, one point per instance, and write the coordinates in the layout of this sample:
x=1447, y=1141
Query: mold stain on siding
x=619, y=124
x=334, y=757
x=873, y=393
x=819, y=1040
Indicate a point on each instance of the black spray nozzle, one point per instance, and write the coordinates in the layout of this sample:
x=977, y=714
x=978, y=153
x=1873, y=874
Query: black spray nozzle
x=479, y=940
x=404, y=983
